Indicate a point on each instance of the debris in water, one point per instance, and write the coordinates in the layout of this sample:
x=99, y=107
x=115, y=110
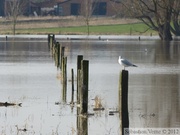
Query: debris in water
x=9, y=104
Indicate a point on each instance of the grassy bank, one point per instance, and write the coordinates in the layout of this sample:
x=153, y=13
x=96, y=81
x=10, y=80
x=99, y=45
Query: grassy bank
x=76, y=25
x=116, y=29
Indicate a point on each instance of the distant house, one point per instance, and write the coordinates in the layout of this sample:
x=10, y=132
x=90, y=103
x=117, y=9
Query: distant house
x=67, y=7
x=45, y=8
x=79, y=7
x=93, y=7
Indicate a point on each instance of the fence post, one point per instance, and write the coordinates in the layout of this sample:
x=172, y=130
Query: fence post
x=56, y=53
x=64, y=77
x=123, y=100
x=79, y=59
x=62, y=49
x=72, y=77
x=84, y=88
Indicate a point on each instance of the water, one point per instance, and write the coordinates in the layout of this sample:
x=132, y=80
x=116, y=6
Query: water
x=28, y=76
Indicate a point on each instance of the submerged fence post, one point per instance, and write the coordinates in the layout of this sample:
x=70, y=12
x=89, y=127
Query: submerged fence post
x=84, y=88
x=123, y=101
x=79, y=59
x=56, y=53
x=64, y=77
x=72, y=78
x=48, y=38
x=53, y=38
x=62, y=48
x=51, y=41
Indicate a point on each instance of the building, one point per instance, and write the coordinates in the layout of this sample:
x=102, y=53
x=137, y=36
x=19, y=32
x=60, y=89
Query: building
x=2, y=7
x=66, y=7
x=91, y=7
x=79, y=7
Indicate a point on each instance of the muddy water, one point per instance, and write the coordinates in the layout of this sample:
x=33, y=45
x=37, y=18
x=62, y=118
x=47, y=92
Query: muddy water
x=28, y=76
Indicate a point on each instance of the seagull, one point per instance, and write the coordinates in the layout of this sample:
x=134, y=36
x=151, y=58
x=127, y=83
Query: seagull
x=125, y=62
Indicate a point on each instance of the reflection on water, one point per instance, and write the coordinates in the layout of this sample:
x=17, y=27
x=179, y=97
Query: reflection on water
x=28, y=75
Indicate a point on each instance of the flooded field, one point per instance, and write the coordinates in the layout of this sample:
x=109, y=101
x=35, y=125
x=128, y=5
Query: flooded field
x=28, y=75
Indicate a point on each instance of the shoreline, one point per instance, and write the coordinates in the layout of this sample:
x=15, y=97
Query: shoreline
x=83, y=37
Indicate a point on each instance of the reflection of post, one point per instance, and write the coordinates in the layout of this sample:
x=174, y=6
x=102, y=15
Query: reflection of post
x=123, y=101
x=82, y=128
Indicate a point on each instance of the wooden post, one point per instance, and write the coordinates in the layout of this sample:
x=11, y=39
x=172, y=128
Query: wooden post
x=53, y=38
x=58, y=54
x=79, y=59
x=48, y=39
x=123, y=100
x=72, y=74
x=64, y=70
x=62, y=49
x=64, y=77
x=51, y=42
x=78, y=96
x=84, y=88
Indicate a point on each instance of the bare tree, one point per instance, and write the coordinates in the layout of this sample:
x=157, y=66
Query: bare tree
x=87, y=11
x=15, y=8
x=175, y=28
x=156, y=14
x=120, y=11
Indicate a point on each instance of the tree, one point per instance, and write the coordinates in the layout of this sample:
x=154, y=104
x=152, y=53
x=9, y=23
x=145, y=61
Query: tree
x=15, y=8
x=175, y=28
x=87, y=11
x=156, y=14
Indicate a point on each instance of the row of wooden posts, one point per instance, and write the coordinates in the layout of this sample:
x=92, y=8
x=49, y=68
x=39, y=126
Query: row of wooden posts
x=82, y=84
x=82, y=74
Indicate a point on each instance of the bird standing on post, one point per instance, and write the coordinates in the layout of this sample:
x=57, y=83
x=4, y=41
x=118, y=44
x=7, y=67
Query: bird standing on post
x=125, y=63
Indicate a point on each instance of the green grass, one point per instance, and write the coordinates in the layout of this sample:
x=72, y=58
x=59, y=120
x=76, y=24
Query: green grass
x=119, y=29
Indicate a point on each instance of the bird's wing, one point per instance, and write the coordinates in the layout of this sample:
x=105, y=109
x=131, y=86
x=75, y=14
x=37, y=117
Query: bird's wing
x=126, y=62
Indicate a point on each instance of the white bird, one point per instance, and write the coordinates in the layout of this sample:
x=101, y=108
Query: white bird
x=125, y=62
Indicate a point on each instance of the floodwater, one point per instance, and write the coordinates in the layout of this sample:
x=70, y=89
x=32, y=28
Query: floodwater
x=28, y=75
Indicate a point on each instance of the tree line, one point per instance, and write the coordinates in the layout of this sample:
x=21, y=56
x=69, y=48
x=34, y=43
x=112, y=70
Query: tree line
x=159, y=15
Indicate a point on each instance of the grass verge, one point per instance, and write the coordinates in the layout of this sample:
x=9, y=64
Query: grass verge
x=114, y=29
